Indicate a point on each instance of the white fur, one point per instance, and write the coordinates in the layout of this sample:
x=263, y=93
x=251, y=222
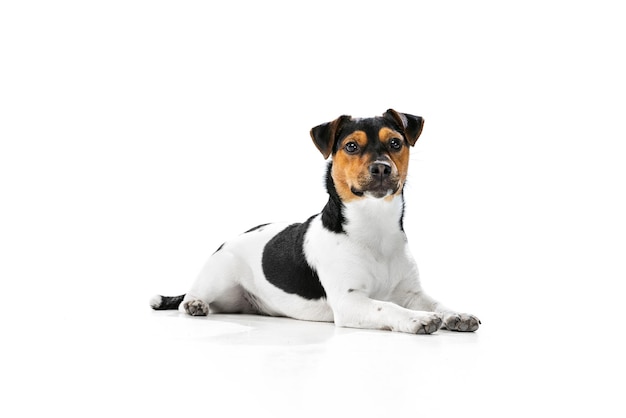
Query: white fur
x=155, y=301
x=368, y=273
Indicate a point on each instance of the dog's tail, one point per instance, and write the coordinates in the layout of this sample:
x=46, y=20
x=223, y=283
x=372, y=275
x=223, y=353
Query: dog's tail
x=162, y=303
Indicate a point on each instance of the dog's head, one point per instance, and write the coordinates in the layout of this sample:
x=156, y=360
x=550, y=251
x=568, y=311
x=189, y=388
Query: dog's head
x=370, y=157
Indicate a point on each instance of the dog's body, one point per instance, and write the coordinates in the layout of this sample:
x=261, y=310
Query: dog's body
x=350, y=263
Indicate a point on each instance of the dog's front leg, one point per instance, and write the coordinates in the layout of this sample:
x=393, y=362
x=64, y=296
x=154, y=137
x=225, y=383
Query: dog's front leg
x=356, y=310
x=453, y=321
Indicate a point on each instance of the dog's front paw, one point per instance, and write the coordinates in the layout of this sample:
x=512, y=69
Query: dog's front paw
x=425, y=324
x=461, y=322
x=196, y=307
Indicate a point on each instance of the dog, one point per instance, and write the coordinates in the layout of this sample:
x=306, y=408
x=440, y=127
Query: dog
x=349, y=264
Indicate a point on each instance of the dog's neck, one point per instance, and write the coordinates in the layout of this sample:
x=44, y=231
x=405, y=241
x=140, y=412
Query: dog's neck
x=332, y=214
x=375, y=223
x=367, y=219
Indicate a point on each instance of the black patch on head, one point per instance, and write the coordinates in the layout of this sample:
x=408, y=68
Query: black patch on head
x=285, y=265
x=411, y=126
x=371, y=127
x=332, y=214
x=256, y=228
x=350, y=290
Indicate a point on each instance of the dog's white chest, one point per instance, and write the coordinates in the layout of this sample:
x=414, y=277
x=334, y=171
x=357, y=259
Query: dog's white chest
x=371, y=256
x=375, y=226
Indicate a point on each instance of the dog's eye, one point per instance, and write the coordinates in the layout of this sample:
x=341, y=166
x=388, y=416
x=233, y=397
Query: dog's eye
x=352, y=147
x=395, y=144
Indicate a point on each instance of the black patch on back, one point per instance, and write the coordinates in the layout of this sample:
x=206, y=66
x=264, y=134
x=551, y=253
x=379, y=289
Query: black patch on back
x=332, y=214
x=285, y=265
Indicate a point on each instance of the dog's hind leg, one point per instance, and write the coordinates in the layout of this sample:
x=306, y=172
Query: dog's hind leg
x=217, y=287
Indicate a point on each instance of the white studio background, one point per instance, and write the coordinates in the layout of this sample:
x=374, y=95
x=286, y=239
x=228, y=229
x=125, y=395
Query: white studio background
x=137, y=136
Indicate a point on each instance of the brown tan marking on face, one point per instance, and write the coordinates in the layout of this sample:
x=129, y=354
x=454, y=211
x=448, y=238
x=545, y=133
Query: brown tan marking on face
x=351, y=169
x=400, y=158
x=347, y=168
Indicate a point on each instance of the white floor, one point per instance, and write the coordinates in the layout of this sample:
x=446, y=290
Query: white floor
x=146, y=363
x=137, y=136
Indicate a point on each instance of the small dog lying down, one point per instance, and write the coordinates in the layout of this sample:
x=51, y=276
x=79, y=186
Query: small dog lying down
x=350, y=263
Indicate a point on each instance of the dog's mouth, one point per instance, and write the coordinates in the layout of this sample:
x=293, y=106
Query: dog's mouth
x=377, y=190
x=356, y=192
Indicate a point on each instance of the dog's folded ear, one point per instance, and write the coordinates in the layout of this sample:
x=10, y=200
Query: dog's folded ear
x=325, y=135
x=412, y=125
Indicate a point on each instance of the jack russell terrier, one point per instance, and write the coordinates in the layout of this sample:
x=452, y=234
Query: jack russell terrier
x=349, y=264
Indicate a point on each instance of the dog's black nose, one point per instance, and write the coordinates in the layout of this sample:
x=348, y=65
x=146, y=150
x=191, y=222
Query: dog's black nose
x=380, y=169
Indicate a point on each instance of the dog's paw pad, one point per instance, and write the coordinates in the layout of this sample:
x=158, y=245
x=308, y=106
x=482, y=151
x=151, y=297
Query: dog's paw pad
x=196, y=308
x=426, y=324
x=461, y=322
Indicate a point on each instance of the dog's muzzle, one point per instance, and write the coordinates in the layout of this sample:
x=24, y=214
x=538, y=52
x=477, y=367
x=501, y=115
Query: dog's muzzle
x=380, y=182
